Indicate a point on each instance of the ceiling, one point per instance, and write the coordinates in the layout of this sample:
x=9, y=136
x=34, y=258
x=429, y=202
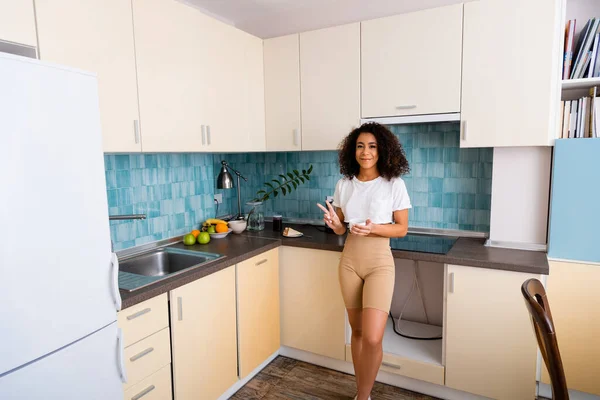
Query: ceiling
x=271, y=18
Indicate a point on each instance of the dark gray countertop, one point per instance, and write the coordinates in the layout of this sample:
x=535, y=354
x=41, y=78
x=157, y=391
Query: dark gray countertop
x=237, y=248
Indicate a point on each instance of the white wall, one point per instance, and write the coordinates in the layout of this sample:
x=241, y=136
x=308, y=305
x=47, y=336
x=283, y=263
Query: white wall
x=520, y=195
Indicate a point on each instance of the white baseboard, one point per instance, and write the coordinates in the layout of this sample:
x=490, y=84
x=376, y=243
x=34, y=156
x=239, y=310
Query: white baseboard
x=239, y=384
x=415, y=385
x=545, y=390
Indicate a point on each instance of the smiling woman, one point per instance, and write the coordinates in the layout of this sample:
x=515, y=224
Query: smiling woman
x=372, y=198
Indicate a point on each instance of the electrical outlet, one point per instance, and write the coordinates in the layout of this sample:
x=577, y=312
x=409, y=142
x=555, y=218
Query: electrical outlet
x=329, y=199
x=219, y=198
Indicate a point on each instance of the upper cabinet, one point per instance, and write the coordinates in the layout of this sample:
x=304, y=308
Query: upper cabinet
x=97, y=36
x=17, y=22
x=411, y=63
x=330, y=85
x=235, y=114
x=510, y=82
x=199, y=81
x=282, y=93
x=172, y=48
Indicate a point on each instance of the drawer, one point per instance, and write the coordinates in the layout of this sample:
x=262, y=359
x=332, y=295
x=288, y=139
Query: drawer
x=155, y=387
x=407, y=367
x=147, y=356
x=144, y=319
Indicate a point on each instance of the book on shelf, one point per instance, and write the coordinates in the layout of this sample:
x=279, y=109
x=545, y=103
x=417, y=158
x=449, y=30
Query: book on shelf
x=580, y=118
x=581, y=59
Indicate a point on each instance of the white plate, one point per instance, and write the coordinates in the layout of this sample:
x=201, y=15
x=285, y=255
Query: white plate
x=220, y=235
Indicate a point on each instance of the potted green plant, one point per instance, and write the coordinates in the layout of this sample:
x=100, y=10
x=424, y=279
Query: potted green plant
x=287, y=184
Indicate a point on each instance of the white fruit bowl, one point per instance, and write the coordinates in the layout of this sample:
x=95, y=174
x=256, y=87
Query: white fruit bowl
x=220, y=235
x=238, y=226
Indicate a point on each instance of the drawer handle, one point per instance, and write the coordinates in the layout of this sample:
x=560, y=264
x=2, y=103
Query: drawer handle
x=464, y=130
x=295, y=136
x=208, y=134
x=142, y=354
x=143, y=392
x=261, y=262
x=386, y=364
x=138, y=314
x=409, y=107
x=451, y=283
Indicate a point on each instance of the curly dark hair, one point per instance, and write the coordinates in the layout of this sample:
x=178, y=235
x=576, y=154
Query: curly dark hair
x=392, y=161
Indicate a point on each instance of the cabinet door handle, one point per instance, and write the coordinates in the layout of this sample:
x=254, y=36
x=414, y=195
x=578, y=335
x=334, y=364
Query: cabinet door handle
x=180, y=309
x=138, y=314
x=141, y=354
x=406, y=107
x=208, y=134
x=295, y=137
x=451, y=282
x=203, y=135
x=261, y=262
x=387, y=364
x=121, y=355
x=115, y=281
x=136, y=130
x=464, y=130
x=143, y=393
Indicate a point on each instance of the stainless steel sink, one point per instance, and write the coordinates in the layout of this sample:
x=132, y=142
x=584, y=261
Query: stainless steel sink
x=137, y=271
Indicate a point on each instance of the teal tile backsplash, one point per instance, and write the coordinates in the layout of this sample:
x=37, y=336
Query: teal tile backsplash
x=449, y=187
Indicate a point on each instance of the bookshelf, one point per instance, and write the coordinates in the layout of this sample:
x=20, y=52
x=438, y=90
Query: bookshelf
x=578, y=77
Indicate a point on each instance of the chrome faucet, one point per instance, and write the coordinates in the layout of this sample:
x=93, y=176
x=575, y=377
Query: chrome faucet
x=123, y=217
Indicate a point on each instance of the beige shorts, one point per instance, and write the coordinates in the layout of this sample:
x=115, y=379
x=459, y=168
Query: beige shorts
x=367, y=273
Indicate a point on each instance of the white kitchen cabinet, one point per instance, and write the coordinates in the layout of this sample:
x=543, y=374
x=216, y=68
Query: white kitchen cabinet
x=203, y=336
x=17, y=22
x=172, y=47
x=511, y=72
x=235, y=115
x=411, y=63
x=489, y=340
x=258, y=310
x=312, y=309
x=200, y=81
x=97, y=36
x=330, y=85
x=282, y=93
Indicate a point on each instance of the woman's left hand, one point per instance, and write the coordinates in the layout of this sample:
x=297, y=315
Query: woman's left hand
x=362, y=230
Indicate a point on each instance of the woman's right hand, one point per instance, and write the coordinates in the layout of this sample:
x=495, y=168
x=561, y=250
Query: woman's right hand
x=331, y=218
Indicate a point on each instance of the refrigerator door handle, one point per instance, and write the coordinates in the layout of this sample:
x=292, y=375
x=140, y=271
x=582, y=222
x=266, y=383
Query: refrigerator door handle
x=115, y=281
x=121, y=356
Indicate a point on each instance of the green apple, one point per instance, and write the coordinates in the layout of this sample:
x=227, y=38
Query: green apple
x=210, y=229
x=189, y=239
x=203, y=238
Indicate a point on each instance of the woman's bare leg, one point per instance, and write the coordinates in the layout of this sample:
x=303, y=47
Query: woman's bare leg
x=371, y=350
x=355, y=318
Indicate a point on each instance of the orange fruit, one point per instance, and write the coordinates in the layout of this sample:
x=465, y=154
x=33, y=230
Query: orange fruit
x=195, y=232
x=221, y=228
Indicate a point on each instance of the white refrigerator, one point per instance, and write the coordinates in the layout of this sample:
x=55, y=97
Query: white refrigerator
x=58, y=278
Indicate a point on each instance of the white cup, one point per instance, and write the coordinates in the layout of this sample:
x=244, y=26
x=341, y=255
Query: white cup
x=359, y=222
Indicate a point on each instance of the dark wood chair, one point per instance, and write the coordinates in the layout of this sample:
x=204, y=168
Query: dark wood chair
x=543, y=325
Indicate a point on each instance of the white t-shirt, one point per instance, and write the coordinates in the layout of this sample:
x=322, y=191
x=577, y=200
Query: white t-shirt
x=375, y=200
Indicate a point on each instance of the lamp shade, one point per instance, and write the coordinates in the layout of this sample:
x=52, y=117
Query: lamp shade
x=224, y=180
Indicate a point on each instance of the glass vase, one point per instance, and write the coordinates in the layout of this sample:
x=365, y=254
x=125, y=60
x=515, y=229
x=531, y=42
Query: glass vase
x=256, y=215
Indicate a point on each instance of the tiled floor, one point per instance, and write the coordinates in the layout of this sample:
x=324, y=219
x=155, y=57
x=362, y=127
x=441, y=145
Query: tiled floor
x=286, y=378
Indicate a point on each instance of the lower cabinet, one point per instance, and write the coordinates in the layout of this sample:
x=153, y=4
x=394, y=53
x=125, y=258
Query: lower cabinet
x=258, y=310
x=489, y=340
x=147, y=353
x=155, y=387
x=203, y=336
x=312, y=310
x=572, y=290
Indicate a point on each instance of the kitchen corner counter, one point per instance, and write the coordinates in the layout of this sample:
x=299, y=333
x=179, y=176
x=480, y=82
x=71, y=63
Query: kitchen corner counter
x=237, y=248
